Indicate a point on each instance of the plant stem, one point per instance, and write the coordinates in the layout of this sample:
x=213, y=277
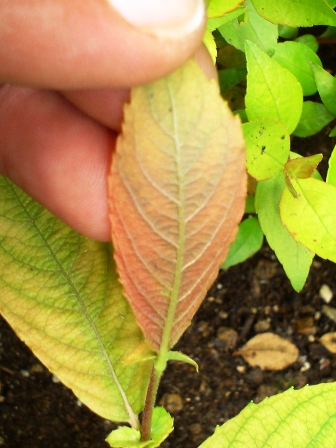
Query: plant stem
x=161, y=362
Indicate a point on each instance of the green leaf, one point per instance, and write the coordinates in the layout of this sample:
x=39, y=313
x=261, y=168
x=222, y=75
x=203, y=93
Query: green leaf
x=297, y=58
x=333, y=132
x=293, y=256
x=161, y=427
x=314, y=117
x=309, y=40
x=181, y=357
x=311, y=217
x=296, y=13
x=329, y=32
x=125, y=437
x=331, y=174
x=267, y=147
x=216, y=22
x=217, y=8
x=326, y=85
x=248, y=241
x=230, y=77
x=60, y=293
x=287, y=32
x=177, y=193
x=253, y=28
x=249, y=205
x=295, y=418
x=272, y=91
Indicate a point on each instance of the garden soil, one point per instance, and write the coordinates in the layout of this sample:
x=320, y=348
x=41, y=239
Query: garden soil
x=36, y=411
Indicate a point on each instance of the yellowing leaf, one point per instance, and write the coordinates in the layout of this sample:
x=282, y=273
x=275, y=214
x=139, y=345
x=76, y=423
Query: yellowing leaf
x=177, y=190
x=311, y=216
x=267, y=147
x=269, y=351
x=303, y=167
x=217, y=8
x=329, y=342
x=60, y=293
x=293, y=419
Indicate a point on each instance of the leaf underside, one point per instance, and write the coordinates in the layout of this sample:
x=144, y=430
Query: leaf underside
x=60, y=293
x=177, y=190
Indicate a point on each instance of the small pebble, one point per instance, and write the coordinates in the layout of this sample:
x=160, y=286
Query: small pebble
x=195, y=428
x=241, y=369
x=261, y=326
x=25, y=373
x=324, y=363
x=326, y=293
x=228, y=336
x=36, y=368
x=55, y=379
x=305, y=325
x=267, y=309
x=172, y=402
x=306, y=366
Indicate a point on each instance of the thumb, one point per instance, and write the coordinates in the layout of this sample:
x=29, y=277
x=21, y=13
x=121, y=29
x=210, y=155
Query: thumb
x=96, y=43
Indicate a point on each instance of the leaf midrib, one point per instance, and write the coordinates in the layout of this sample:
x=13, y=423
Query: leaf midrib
x=129, y=410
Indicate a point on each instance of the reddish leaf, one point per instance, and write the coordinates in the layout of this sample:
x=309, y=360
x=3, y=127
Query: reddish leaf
x=177, y=189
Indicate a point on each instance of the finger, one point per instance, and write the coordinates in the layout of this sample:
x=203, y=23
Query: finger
x=58, y=156
x=96, y=43
x=106, y=105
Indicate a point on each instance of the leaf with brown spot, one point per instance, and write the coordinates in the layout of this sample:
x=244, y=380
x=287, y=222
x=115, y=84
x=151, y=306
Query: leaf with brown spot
x=269, y=351
x=177, y=189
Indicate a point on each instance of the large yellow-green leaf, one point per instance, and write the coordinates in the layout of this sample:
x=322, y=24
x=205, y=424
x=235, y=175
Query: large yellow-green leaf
x=296, y=13
x=60, y=293
x=294, y=419
x=310, y=215
x=217, y=8
x=250, y=27
x=294, y=257
x=177, y=189
x=272, y=91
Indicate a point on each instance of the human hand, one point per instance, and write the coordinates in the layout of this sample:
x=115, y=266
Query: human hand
x=66, y=69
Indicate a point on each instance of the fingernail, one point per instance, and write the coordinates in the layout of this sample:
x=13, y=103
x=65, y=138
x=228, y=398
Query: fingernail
x=163, y=18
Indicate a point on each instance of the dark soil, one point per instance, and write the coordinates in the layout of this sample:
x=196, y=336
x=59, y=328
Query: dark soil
x=37, y=412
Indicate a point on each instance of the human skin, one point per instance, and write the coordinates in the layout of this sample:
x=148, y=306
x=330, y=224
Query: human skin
x=66, y=70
